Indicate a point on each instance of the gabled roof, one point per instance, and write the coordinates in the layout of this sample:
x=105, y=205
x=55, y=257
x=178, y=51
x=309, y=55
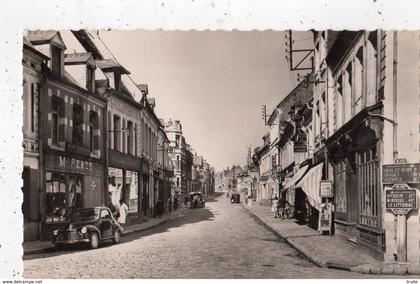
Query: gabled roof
x=106, y=64
x=75, y=58
x=41, y=37
x=27, y=44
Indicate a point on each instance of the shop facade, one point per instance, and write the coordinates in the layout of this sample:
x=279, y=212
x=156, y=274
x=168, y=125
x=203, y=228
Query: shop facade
x=71, y=181
x=124, y=183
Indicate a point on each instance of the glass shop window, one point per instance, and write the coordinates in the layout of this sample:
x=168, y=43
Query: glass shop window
x=56, y=197
x=63, y=193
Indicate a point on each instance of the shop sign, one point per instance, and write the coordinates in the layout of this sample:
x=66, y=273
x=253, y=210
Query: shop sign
x=74, y=164
x=325, y=188
x=401, y=199
x=300, y=140
x=401, y=173
x=325, y=217
x=122, y=161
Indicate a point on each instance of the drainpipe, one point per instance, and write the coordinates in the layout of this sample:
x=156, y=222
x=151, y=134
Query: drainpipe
x=41, y=207
x=394, y=97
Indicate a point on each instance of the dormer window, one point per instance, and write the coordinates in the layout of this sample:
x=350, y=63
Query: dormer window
x=90, y=79
x=117, y=80
x=56, y=60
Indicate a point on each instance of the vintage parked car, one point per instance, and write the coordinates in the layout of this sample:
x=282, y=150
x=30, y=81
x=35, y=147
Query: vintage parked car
x=196, y=200
x=89, y=225
x=235, y=198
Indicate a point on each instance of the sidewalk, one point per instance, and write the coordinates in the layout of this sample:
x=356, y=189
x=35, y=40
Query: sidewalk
x=326, y=251
x=47, y=246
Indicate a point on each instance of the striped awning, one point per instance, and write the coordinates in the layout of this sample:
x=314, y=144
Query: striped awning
x=310, y=184
x=291, y=182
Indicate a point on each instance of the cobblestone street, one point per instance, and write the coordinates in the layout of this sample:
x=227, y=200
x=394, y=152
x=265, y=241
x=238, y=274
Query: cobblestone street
x=219, y=241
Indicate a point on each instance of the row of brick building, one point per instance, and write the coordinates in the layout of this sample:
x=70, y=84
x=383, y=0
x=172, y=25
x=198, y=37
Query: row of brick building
x=91, y=135
x=328, y=140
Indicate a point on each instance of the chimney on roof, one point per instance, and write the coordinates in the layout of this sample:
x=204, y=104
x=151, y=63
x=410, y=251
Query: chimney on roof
x=144, y=89
x=151, y=102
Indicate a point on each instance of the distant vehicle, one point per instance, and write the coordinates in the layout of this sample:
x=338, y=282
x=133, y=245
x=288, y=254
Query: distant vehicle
x=196, y=200
x=235, y=198
x=89, y=225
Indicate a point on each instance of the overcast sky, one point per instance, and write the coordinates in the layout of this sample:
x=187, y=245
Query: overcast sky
x=213, y=82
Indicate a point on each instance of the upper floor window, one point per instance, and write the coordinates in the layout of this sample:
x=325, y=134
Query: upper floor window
x=117, y=133
x=90, y=79
x=117, y=80
x=57, y=111
x=130, y=137
x=347, y=92
x=372, y=59
x=93, y=126
x=77, y=124
x=32, y=107
x=358, y=82
x=56, y=60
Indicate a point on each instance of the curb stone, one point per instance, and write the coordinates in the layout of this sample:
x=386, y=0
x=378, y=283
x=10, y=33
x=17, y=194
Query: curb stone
x=400, y=270
x=363, y=268
x=375, y=270
x=415, y=270
x=292, y=243
x=387, y=270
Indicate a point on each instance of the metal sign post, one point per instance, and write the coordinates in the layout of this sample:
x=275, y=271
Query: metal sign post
x=401, y=199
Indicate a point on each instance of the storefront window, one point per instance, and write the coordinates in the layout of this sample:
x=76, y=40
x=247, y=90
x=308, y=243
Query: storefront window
x=115, y=185
x=340, y=187
x=63, y=193
x=132, y=190
x=367, y=173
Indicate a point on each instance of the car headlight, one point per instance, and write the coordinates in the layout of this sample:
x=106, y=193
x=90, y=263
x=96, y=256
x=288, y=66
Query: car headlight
x=55, y=232
x=83, y=230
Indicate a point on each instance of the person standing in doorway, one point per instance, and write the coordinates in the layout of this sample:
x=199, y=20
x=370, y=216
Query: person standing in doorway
x=274, y=206
x=170, y=204
x=123, y=213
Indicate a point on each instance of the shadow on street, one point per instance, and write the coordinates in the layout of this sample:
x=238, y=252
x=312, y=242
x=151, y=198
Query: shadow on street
x=188, y=217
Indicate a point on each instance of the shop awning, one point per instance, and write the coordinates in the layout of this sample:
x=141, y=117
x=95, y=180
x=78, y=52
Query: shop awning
x=291, y=182
x=310, y=185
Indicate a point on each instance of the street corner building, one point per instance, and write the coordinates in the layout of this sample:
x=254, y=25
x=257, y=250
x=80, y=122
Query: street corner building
x=92, y=136
x=345, y=136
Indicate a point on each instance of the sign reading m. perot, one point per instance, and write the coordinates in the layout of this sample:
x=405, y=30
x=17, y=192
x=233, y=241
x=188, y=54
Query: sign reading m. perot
x=74, y=164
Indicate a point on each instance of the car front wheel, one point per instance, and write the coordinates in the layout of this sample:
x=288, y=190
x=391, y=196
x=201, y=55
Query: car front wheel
x=94, y=240
x=117, y=236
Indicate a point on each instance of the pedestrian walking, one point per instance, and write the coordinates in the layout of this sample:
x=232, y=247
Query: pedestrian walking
x=170, y=204
x=159, y=208
x=176, y=203
x=274, y=206
x=281, y=205
x=123, y=213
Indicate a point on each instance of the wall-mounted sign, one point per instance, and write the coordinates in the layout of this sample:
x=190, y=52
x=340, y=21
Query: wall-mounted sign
x=401, y=199
x=325, y=217
x=326, y=189
x=74, y=164
x=300, y=140
x=401, y=173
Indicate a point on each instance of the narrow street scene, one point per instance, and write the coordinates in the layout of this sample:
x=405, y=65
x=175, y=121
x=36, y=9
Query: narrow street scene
x=219, y=241
x=221, y=154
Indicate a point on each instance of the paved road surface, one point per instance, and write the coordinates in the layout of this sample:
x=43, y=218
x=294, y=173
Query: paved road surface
x=219, y=241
